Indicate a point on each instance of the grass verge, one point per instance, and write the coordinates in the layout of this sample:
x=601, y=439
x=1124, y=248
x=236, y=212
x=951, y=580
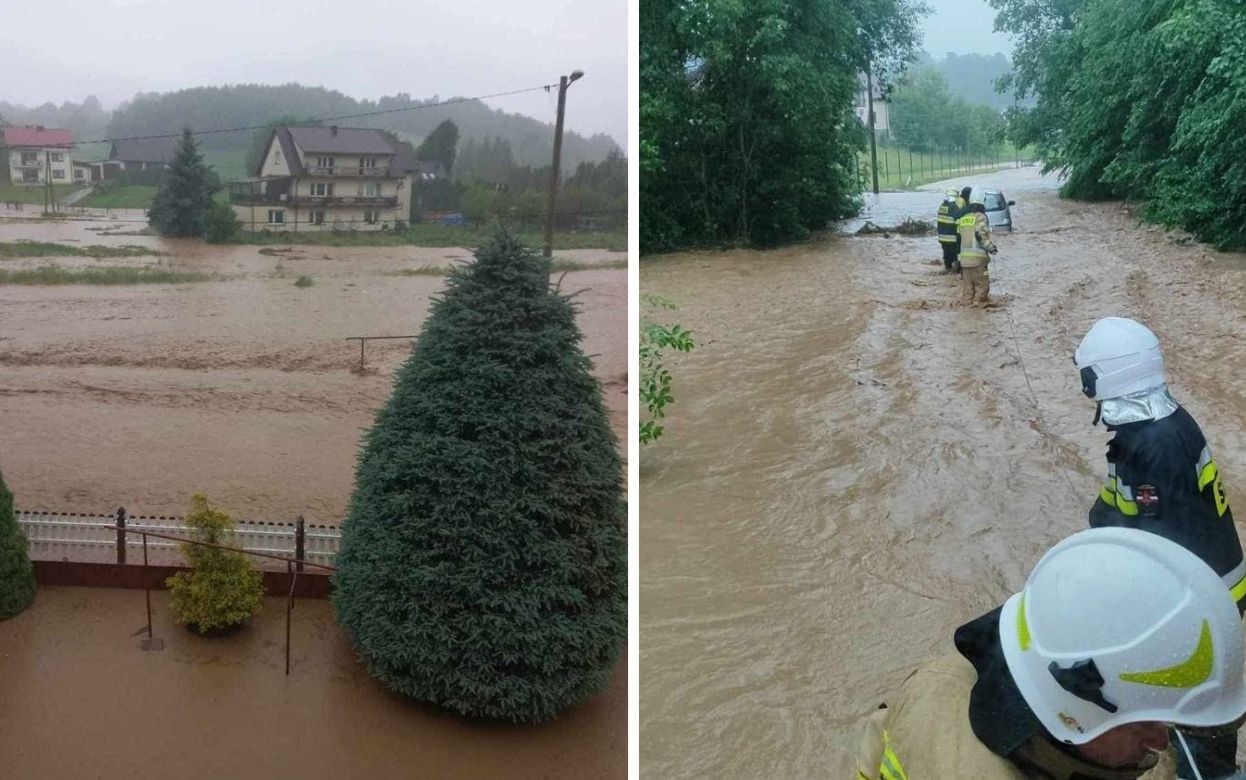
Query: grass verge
x=132, y=196
x=105, y=276
x=431, y=235
x=12, y=249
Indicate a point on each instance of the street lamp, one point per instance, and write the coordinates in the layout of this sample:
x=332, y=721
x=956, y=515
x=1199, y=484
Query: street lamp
x=563, y=83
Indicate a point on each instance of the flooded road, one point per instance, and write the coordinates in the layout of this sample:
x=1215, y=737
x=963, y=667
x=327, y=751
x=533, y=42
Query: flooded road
x=244, y=388
x=853, y=467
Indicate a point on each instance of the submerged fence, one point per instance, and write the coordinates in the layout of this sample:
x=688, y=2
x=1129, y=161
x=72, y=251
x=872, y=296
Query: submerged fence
x=99, y=537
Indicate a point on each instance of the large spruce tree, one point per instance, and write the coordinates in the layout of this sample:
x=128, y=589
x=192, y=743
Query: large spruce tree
x=483, y=562
x=17, y=576
x=185, y=193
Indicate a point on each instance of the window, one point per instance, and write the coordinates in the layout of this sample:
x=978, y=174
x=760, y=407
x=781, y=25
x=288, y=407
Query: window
x=370, y=189
x=58, y=174
x=30, y=174
x=78, y=173
x=30, y=158
x=322, y=189
x=367, y=162
x=324, y=162
x=370, y=215
x=317, y=217
x=276, y=216
x=58, y=157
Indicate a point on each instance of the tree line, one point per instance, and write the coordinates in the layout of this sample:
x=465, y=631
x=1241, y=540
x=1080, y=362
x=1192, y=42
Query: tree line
x=747, y=128
x=1138, y=99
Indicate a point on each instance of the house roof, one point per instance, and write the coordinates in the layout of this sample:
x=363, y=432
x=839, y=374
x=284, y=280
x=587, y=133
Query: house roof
x=39, y=136
x=153, y=150
x=404, y=162
x=340, y=140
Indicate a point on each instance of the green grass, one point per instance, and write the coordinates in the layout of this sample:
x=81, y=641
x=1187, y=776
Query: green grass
x=556, y=266
x=900, y=169
x=228, y=164
x=110, y=275
x=32, y=194
x=133, y=196
x=432, y=236
x=11, y=249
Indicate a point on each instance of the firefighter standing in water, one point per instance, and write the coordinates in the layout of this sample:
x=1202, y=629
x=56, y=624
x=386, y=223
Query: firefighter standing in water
x=945, y=220
x=976, y=249
x=1161, y=475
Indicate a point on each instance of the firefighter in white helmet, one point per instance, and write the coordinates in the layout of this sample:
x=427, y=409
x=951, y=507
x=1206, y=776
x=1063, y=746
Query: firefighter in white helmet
x=1116, y=635
x=945, y=222
x=1161, y=476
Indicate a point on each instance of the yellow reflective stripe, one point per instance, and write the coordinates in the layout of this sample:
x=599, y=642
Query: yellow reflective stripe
x=1108, y=495
x=1126, y=507
x=1238, y=590
x=1023, y=628
x=967, y=221
x=1207, y=476
x=945, y=219
x=947, y=239
x=1191, y=672
x=890, y=768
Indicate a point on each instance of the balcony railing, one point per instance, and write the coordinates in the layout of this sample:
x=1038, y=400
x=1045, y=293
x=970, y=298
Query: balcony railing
x=341, y=170
x=258, y=199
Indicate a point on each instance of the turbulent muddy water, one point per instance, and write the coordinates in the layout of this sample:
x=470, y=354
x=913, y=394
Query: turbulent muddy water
x=244, y=388
x=853, y=467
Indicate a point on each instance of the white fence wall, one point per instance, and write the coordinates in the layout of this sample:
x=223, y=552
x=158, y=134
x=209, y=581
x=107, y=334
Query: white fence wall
x=70, y=536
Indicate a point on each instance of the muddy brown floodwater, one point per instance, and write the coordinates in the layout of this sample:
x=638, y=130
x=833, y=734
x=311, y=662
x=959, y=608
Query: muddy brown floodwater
x=139, y=396
x=853, y=467
x=81, y=698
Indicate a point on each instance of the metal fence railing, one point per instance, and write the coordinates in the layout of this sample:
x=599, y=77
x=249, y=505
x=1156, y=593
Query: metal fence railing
x=91, y=537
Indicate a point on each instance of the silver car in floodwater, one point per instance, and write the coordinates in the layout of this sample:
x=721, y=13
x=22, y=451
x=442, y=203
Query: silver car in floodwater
x=998, y=209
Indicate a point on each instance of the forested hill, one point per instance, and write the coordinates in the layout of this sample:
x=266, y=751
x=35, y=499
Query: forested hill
x=971, y=76
x=205, y=108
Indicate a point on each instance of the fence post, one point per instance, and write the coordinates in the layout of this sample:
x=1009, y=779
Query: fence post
x=299, y=542
x=121, y=535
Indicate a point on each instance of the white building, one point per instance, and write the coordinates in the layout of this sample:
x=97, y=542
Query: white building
x=37, y=154
x=326, y=178
x=882, y=117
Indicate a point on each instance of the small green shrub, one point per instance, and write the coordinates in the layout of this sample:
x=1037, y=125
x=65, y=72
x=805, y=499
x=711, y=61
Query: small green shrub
x=304, y=281
x=220, y=223
x=655, y=377
x=222, y=591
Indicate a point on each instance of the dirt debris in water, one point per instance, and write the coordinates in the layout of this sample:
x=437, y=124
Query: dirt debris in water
x=849, y=473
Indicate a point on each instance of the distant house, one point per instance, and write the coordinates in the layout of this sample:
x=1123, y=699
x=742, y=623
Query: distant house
x=139, y=154
x=83, y=172
x=37, y=154
x=326, y=178
x=882, y=116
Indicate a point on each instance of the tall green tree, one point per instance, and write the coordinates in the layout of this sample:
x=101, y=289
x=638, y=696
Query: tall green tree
x=17, y=575
x=440, y=145
x=181, y=203
x=483, y=562
x=747, y=126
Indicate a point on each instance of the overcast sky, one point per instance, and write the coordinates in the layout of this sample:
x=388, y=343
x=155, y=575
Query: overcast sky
x=365, y=48
x=963, y=27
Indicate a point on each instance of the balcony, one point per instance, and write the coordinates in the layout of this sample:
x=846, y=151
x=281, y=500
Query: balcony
x=257, y=199
x=338, y=170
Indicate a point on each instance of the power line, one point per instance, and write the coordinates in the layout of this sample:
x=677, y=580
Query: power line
x=451, y=102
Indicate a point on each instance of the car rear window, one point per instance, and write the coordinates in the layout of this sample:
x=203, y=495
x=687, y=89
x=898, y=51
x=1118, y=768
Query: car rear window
x=994, y=201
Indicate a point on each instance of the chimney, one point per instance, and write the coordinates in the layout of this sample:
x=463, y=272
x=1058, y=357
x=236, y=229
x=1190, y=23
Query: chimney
x=332, y=129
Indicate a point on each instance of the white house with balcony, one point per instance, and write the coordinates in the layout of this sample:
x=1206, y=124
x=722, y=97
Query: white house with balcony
x=325, y=178
x=38, y=154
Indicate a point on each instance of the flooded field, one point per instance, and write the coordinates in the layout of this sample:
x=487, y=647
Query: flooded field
x=80, y=698
x=244, y=387
x=853, y=466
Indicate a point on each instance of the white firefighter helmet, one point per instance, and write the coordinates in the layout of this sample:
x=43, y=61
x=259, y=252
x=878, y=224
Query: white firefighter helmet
x=951, y=193
x=1117, y=626
x=1118, y=356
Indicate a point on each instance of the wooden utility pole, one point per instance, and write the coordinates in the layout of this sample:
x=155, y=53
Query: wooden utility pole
x=869, y=102
x=47, y=179
x=563, y=83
